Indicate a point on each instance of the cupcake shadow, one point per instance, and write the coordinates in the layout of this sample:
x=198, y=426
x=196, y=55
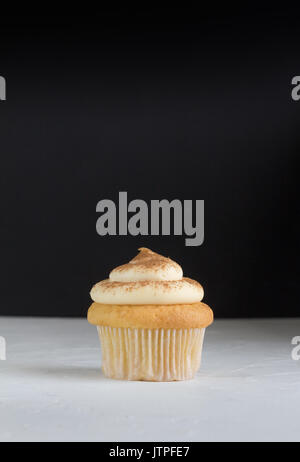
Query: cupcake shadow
x=63, y=372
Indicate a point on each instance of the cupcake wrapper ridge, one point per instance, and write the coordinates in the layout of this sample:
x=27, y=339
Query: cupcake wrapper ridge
x=150, y=354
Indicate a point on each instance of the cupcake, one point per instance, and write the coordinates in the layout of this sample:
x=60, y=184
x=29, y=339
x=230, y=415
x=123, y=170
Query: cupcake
x=150, y=320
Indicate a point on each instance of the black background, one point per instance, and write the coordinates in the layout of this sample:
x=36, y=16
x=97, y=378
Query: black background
x=162, y=104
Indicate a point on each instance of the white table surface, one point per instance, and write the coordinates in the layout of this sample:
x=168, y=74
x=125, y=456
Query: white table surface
x=52, y=388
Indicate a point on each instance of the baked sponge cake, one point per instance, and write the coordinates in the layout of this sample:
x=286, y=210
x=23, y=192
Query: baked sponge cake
x=150, y=320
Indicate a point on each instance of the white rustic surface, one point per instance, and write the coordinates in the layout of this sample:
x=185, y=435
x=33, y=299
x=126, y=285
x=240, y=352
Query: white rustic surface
x=52, y=388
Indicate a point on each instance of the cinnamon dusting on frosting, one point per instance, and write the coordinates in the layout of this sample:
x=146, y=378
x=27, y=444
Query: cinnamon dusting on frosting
x=130, y=286
x=147, y=266
x=149, y=278
x=148, y=259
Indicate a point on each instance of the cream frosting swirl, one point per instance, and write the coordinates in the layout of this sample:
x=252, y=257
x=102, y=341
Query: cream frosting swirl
x=149, y=278
x=147, y=266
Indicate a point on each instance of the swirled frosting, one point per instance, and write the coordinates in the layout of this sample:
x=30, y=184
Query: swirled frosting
x=149, y=278
x=147, y=266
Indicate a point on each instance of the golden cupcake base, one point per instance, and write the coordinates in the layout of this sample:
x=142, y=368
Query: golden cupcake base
x=160, y=355
x=179, y=316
